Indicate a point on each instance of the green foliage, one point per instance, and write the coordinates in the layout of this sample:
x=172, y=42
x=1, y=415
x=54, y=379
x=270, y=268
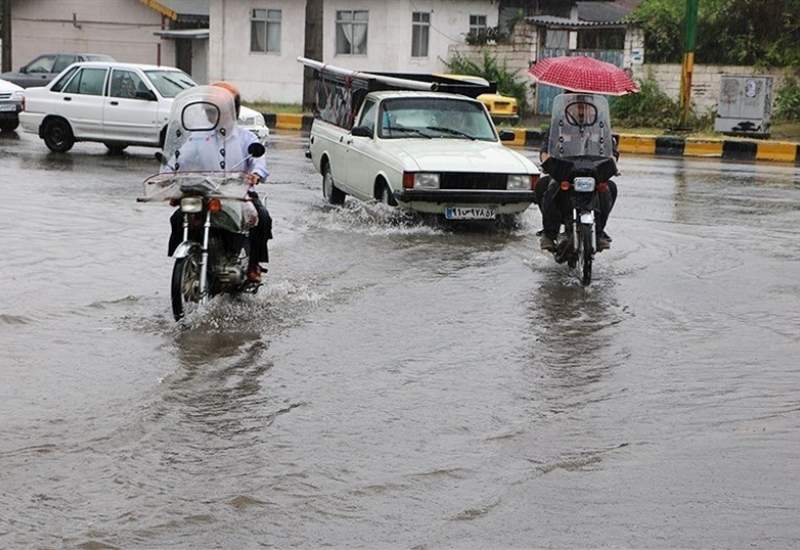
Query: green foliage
x=652, y=108
x=488, y=35
x=649, y=108
x=735, y=32
x=508, y=83
x=787, y=103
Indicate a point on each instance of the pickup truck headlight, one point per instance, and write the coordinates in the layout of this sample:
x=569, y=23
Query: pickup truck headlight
x=424, y=180
x=518, y=182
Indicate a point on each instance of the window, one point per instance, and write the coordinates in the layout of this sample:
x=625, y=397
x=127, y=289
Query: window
x=63, y=62
x=63, y=80
x=368, y=116
x=439, y=118
x=42, y=64
x=125, y=84
x=351, y=32
x=420, y=33
x=87, y=82
x=170, y=83
x=265, y=31
x=556, y=39
x=477, y=24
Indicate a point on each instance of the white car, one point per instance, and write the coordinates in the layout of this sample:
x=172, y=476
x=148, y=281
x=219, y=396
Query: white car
x=119, y=104
x=11, y=102
x=424, y=151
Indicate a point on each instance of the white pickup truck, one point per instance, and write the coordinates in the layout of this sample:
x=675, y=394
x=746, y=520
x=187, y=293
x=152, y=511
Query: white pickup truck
x=430, y=152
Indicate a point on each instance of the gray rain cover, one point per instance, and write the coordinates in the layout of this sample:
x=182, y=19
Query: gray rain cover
x=580, y=126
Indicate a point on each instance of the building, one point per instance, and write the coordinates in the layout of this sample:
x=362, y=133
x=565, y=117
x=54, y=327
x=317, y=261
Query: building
x=134, y=31
x=255, y=43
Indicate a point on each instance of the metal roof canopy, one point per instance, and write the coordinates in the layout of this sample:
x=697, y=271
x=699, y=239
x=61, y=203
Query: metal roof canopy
x=554, y=22
x=194, y=34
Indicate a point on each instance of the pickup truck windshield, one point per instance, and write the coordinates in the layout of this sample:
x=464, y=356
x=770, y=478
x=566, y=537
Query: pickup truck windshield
x=432, y=117
x=170, y=83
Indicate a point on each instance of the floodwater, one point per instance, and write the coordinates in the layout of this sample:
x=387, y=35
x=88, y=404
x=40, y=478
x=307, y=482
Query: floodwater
x=398, y=384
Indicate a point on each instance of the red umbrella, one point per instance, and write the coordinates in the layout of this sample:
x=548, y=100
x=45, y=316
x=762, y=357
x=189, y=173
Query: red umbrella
x=583, y=74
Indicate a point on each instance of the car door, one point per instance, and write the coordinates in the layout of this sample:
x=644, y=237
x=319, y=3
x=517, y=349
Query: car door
x=82, y=102
x=360, y=154
x=38, y=72
x=127, y=117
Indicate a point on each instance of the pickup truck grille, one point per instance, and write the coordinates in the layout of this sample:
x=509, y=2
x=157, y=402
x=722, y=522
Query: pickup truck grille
x=472, y=180
x=5, y=95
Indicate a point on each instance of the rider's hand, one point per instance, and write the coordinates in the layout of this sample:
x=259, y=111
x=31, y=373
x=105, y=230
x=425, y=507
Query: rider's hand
x=252, y=179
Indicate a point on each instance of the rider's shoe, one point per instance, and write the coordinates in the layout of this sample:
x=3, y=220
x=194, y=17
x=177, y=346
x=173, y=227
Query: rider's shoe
x=547, y=242
x=254, y=274
x=603, y=241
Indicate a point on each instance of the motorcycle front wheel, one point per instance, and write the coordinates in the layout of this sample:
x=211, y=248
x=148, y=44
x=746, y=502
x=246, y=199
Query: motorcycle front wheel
x=185, y=290
x=585, y=253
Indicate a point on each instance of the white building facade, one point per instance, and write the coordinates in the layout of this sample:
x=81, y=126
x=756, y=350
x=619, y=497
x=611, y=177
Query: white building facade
x=255, y=43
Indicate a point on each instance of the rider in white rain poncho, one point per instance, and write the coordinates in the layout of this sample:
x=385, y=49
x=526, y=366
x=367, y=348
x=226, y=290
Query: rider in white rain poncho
x=207, y=139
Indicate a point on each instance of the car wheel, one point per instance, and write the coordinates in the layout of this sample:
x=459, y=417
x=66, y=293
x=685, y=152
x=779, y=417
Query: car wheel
x=331, y=193
x=116, y=149
x=387, y=197
x=58, y=136
x=9, y=125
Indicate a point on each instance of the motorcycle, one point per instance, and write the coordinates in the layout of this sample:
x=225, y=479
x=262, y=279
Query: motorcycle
x=214, y=205
x=581, y=159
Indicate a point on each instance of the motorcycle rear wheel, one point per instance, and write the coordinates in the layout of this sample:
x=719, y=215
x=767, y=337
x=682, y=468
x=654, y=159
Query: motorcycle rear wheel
x=185, y=289
x=585, y=254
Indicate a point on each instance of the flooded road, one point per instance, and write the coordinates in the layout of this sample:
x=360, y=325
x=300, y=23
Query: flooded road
x=397, y=384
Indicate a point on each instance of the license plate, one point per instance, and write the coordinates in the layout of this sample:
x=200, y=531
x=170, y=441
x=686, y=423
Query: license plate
x=8, y=107
x=469, y=213
x=584, y=185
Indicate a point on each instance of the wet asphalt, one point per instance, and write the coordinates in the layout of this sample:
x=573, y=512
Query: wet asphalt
x=398, y=384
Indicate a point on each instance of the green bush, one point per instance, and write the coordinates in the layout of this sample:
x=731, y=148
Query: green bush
x=508, y=83
x=787, y=103
x=649, y=108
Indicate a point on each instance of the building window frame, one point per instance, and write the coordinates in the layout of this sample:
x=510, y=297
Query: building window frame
x=267, y=24
x=420, y=34
x=348, y=24
x=476, y=27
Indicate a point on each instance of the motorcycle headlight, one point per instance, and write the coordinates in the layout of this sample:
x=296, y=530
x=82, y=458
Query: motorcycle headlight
x=584, y=184
x=518, y=182
x=424, y=180
x=191, y=205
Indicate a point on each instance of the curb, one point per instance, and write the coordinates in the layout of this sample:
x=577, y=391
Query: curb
x=671, y=146
x=675, y=146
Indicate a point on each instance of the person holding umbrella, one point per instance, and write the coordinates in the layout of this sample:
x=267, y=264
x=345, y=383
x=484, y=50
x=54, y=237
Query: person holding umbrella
x=582, y=78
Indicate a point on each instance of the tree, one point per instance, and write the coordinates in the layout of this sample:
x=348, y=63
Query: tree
x=736, y=32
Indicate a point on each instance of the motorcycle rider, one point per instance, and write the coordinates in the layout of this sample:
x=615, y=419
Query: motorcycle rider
x=555, y=206
x=202, y=156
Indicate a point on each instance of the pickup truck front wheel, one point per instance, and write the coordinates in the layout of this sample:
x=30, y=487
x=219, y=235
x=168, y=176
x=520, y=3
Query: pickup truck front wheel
x=332, y=194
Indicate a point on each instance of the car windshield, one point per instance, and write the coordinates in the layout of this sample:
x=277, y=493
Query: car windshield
x=170, y=83
x=431, y=117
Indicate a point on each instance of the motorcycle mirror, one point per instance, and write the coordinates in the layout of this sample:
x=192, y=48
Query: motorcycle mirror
x=256, y=150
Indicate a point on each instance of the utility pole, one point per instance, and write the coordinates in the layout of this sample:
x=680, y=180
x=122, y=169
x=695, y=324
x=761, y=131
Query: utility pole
x=313, y=49
x=6, y=35
x=689, y=42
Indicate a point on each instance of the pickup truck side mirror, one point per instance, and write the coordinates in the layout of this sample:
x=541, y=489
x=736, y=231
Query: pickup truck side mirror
x=147, y=95
x=361, y=131
x=505, y=135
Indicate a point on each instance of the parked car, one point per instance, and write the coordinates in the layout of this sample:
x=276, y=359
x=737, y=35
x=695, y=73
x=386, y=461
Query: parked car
x=502, y=107
x=11, y=102
x=430, y=152
x=119, y=104
x=42, y=70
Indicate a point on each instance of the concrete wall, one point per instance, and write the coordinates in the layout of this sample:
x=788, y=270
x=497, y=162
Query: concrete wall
x=705, y=81
x=122, y=29
x=390, y=31
x=276, y=77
